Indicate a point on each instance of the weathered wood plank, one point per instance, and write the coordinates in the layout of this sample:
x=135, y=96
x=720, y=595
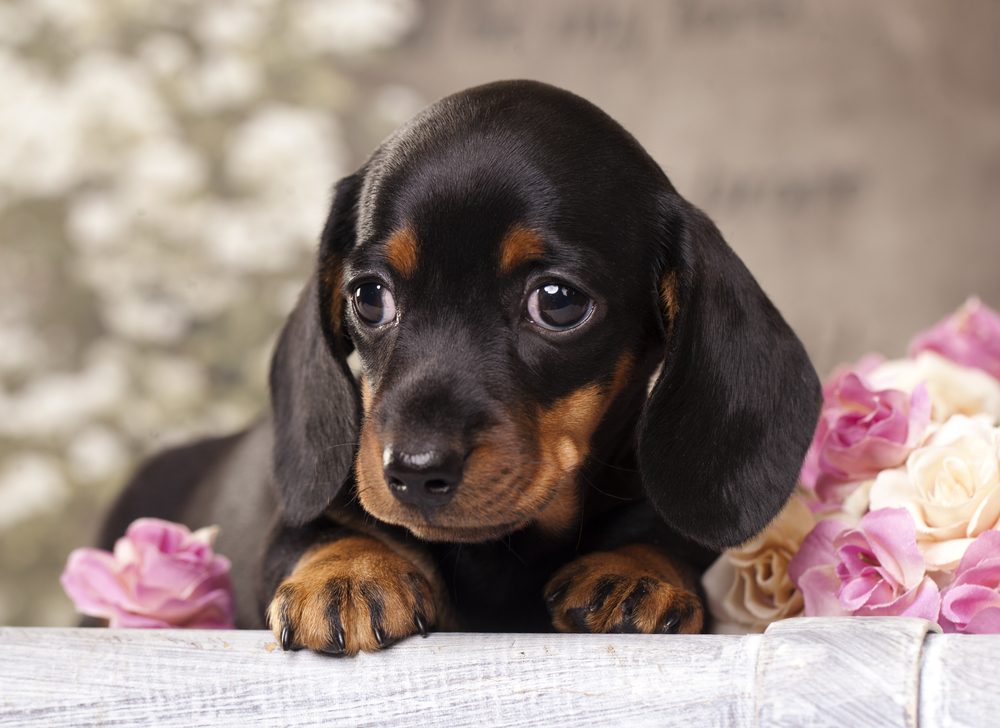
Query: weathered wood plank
x=103, y=677
x=840, y=672
x=960, y=681
x=801, y=672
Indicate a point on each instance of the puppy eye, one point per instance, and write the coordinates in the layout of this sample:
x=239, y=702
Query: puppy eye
x=557, y=307
x=374, y=303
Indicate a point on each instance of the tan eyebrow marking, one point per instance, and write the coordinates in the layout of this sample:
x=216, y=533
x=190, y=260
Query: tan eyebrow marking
x=519, y=246
x=668, y=296
x=333, y=276
x=401, y=251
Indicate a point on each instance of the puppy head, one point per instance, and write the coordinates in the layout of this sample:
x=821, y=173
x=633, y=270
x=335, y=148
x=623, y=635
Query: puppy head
x=509, y=265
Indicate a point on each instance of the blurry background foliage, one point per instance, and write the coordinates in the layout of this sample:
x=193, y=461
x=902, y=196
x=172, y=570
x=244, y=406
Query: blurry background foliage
x=165, y=167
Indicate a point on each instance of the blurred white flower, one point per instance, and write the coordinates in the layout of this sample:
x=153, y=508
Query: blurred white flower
x=22, y=348
x=79, y=21
x=353, y=27
x=148, y=320
x=163, y=167
x=96, y=221
x=38, y=137
x=96, y=454
x=56, y=404
x=221, y=81
x=288, y=158
x=30, y=484
x=201, y=290
x=165, y=54
x=113, y=104
x=280, y=147
x=234, y=23
x=252, y=238
x=174, y=381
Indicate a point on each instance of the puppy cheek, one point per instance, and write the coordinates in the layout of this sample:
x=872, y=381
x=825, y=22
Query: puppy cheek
x=563, y=433
x=372, y=490
x=568, y=456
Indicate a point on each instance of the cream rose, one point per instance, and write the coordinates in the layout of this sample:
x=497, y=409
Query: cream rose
x=954, y=389
x=748, y=587
x=951, y=487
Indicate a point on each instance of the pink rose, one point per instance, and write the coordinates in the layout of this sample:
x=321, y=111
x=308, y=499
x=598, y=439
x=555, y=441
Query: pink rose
x=861, y=432
x=970, y=336
x=971, y=603
x=873, y=570
x=160, y=575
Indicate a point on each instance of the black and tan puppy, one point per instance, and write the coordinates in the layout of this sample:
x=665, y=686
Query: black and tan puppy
x=511, y=268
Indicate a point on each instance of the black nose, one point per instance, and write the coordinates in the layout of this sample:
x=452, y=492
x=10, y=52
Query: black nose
x=424, y=479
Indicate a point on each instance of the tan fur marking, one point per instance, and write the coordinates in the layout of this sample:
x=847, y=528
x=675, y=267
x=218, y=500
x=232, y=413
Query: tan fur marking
x=332, y=278
x=560, y=513
x=519, y=246
x=568, y=454
x=667, y=591
x=523, y=472
x=345, y=574
x=367, y=394
x=668, y=296
x=401, y=251
x=623, y=368
x=564, y=434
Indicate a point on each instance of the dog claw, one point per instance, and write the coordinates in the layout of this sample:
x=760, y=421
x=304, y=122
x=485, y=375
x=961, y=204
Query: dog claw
x=286, y=638
x=379, y=637
x=421, y=624
x=670, y=625
x=557, y=594
x=337, y=645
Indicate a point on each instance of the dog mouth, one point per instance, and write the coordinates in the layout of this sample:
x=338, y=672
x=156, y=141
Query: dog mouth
x=460, y=534
x=467, y=523
x=433, y=525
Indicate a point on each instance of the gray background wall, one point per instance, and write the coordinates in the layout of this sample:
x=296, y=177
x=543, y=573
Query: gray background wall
x=164, y=167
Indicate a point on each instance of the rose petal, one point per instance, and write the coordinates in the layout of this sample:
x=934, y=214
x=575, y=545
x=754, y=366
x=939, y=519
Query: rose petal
x=817, y=549
x=970, y=336
x=986, y=547
x=90, y=580
x=893, y=539
x=986, y=621
x=923, y=601
x=944, y=555
x=819, y=586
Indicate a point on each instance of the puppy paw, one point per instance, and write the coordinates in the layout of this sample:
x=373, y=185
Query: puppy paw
x=351, y=595
x=632, y=589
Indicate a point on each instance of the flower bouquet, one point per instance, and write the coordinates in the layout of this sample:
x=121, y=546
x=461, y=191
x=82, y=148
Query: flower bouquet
x=897, y=510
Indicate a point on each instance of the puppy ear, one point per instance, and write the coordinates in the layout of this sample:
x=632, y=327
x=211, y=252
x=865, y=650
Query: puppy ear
x=728, y=422
x=314, y=397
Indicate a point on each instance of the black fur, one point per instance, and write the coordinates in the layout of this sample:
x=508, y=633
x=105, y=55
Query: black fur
x=706, y=461
x=719, y=479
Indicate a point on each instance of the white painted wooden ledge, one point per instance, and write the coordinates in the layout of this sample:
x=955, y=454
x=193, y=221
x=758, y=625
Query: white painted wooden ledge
x=838, y=672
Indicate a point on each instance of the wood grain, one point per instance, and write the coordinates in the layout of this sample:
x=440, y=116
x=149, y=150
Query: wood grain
x=840, y=672
x=801, y=672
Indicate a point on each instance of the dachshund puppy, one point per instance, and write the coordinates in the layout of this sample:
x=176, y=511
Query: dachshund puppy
x=512, y=270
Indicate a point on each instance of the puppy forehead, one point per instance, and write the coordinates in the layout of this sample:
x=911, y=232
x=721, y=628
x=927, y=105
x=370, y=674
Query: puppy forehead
x=414, y=252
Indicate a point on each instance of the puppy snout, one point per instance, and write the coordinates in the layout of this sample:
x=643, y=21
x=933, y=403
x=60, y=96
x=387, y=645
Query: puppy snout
x=426, y=478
